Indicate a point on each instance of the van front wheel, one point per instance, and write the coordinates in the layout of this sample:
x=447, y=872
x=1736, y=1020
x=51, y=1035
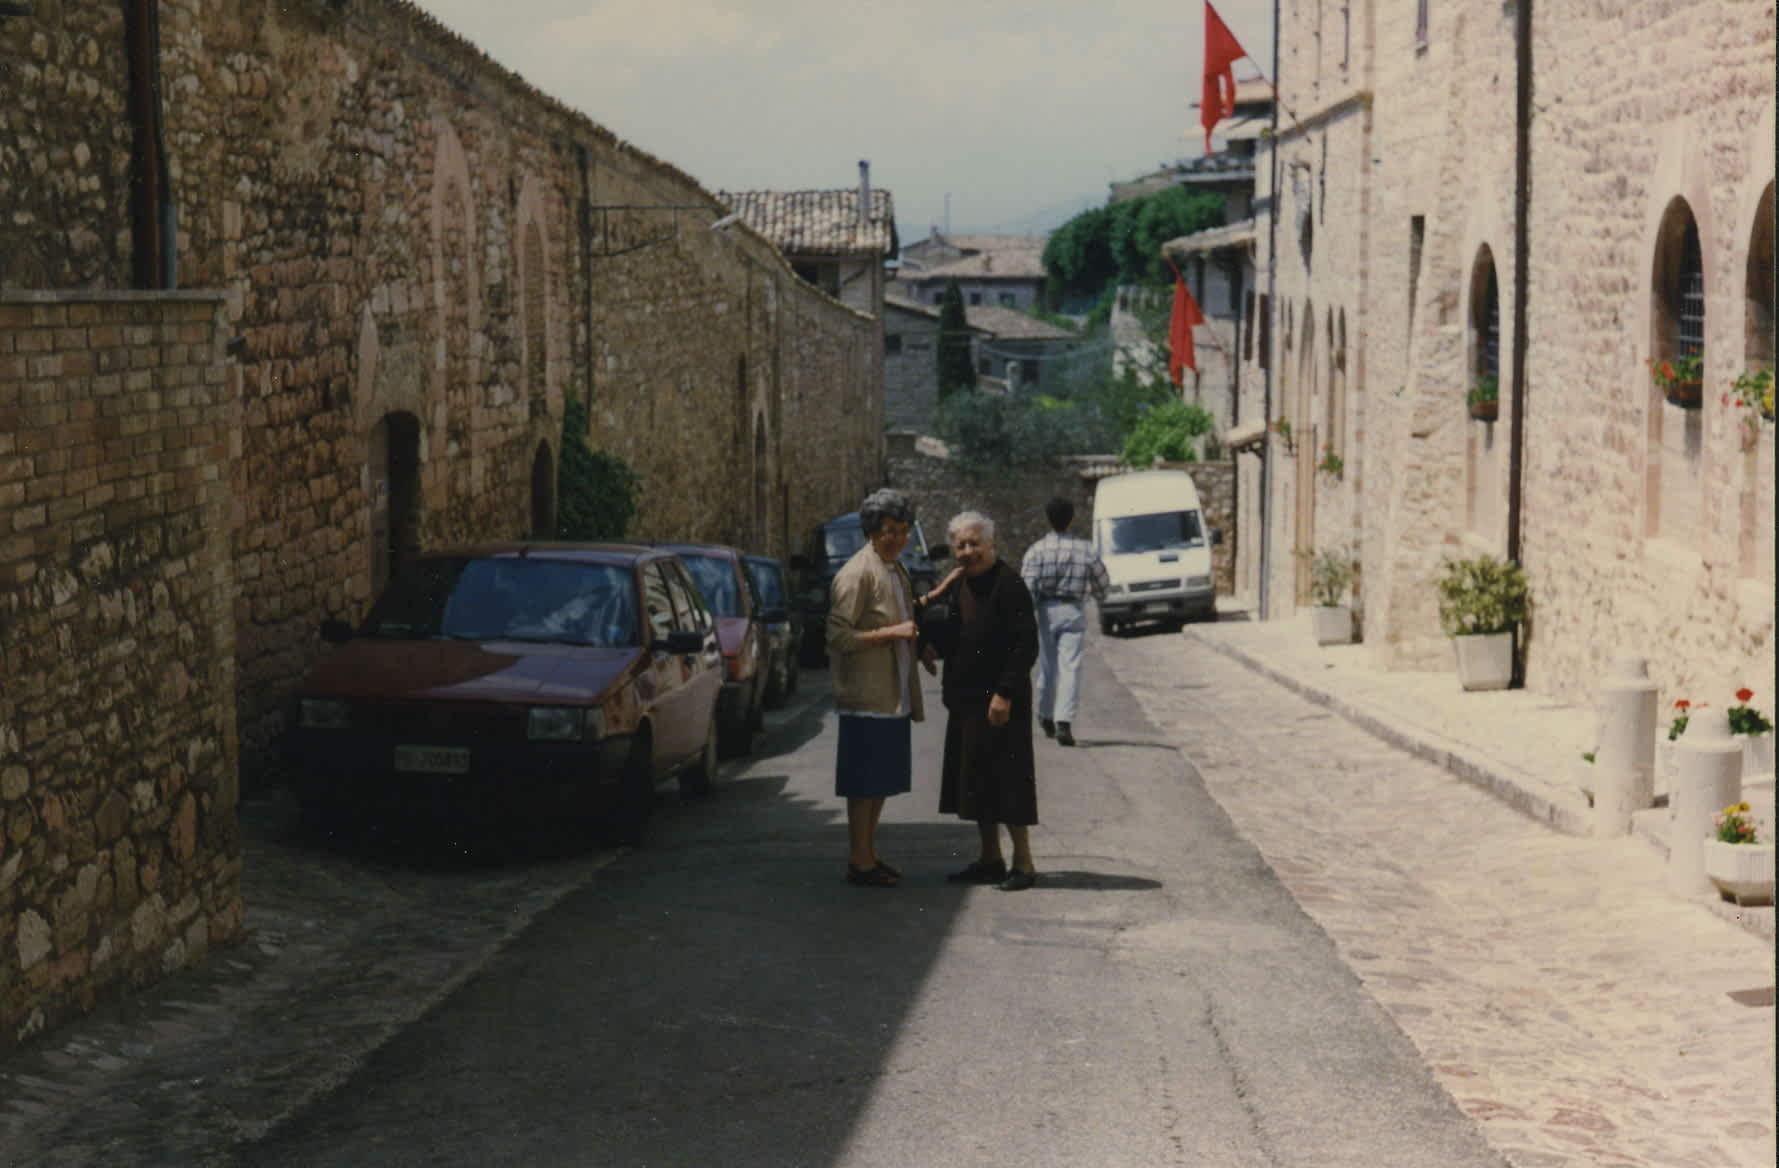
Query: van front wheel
x=1108, y=626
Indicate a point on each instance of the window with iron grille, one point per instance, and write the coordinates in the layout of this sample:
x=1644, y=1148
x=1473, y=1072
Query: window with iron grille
x=1690, y=322
x=1491, y=329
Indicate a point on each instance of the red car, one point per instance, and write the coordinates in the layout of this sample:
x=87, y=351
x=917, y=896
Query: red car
x=730, y=592
x=517, y=676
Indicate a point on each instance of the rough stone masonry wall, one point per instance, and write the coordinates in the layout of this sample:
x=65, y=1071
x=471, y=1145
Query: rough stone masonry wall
x=120, y=857
x=405, y=231
x=941, y=486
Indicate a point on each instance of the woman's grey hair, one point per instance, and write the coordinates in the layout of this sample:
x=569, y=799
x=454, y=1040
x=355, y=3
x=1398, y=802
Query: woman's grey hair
x=976, y=519
x=881, y=504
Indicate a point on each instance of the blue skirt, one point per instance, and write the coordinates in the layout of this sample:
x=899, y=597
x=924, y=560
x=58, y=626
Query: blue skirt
x=875, y=758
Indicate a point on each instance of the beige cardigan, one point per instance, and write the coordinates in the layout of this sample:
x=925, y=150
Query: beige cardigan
x=863, y=597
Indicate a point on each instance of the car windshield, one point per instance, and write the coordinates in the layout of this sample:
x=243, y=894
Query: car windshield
x=769, y=582
x=716, y=579
x=509, y=598
x=1149, y=533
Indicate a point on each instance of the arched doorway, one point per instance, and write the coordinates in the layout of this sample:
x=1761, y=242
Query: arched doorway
x=543, y=493
x=395, y=495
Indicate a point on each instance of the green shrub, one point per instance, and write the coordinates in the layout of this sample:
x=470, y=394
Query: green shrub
x=596, y=492
x=1481, y=595
x=1330, y=573
x=1166, y=431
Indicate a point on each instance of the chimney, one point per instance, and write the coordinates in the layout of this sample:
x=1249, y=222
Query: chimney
x=864, y=192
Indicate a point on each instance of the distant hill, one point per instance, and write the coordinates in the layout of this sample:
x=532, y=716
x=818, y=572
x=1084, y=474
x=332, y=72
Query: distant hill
x=1038, y=222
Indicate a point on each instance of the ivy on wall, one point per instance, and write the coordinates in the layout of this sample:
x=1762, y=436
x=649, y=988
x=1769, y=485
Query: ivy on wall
x=596, y=492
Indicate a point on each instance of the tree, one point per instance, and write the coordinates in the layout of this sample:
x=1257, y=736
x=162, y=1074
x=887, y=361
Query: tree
x=955, y=368
x=1120, y=243
x=596, y=492
x=1166, y=431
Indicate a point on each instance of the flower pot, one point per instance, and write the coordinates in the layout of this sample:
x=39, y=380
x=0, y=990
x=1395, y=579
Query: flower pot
x=1485, y=660
x=1333, y=624
x=1757, y=754
x=1485, y=411
x=1688, y=395
x=1742, y=872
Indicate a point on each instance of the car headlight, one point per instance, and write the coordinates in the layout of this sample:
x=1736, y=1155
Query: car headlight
x=565, y=724
x=322, y=714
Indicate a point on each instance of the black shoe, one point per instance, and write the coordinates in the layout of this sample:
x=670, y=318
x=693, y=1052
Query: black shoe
x=1018, y=881
x=980, y=873
x=1048, y=727
x=1064, y=737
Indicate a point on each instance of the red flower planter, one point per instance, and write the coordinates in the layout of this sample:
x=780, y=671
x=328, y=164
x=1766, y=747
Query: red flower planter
x=1688, y=395
x=1485, y=411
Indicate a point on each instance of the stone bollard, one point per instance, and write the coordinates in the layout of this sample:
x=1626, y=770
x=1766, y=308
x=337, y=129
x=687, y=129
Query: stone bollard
x=1624, y=765
x=1707, y=778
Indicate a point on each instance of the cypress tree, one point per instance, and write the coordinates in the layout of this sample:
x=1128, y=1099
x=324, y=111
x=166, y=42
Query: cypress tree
x=955, y=369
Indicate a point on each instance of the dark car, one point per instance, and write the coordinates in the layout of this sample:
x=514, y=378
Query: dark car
x=516, y=676
x=773, y=580
x=827, y=549
x=741, y=624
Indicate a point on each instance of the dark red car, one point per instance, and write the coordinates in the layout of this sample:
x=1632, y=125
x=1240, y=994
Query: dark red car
x=528, y=677
x=730, y=592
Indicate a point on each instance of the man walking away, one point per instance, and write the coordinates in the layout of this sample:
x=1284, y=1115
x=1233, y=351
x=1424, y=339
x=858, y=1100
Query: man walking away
x=1059, y=570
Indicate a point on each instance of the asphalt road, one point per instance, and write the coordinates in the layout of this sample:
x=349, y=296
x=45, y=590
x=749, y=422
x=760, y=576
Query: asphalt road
x=720, y=996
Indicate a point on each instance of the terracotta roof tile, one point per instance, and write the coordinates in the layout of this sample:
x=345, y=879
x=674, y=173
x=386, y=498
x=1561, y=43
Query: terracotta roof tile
x=818, y=223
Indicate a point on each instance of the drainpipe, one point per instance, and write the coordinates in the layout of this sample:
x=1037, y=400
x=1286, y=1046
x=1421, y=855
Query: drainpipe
x=1272, y=263
x=1522, y=250
x=153, y=217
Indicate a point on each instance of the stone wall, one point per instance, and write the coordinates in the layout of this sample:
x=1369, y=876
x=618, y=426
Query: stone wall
x=120, y=857
x=1642, y=527
x=941, y=486
x=422, y=257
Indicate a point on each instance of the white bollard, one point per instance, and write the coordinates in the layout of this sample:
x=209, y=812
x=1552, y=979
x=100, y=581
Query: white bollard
x=1707, y=778
x=1624, y=762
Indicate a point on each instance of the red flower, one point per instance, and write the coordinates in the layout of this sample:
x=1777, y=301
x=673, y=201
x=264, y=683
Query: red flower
x=1726, y=400
x=1667, y=371
x=1742, y=695
x=1683, y=704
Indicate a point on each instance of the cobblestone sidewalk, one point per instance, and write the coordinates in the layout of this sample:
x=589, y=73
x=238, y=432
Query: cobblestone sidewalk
x=1580, y=1013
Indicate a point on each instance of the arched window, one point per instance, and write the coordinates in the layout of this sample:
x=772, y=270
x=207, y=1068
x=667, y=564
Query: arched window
x=1754, y=540
x=1677, y=329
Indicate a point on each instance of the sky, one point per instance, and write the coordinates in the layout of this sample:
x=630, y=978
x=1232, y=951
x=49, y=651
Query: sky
x=977, y=115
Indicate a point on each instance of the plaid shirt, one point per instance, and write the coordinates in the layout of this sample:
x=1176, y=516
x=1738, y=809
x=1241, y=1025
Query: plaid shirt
x=1063, y=567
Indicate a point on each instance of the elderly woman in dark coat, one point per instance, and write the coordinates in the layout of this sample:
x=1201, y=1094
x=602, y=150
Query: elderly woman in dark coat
x=989, y=640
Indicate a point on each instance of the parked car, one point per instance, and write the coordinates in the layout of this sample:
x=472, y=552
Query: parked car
x=741, y=625
x=783, y=627
x=826, y=550
x=516, y=676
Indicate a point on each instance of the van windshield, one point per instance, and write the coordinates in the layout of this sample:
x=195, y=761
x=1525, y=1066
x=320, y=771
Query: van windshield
x=1150, y=533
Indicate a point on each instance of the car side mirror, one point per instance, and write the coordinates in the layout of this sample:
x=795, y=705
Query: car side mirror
x=335, y=631
x=682, y=641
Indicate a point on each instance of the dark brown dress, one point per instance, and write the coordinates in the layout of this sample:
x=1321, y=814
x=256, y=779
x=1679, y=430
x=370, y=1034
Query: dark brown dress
x=989, y=639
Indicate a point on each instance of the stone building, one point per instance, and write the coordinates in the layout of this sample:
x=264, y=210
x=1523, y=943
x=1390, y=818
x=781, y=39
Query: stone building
x=997, y=271
x=1548, y=198
x=407, y=259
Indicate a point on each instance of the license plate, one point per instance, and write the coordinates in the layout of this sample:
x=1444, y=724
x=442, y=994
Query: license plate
x=433, y=760
x=1156, y=606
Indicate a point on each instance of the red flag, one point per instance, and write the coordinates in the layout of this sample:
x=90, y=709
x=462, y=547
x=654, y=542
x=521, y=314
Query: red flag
x=1179, y=331
x=1221, y=51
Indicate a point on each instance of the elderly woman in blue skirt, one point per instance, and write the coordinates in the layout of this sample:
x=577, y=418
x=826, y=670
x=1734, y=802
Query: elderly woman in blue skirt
x=872, y=632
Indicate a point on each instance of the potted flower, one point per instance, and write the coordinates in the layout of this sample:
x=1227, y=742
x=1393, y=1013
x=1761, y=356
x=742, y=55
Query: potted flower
x=1332, y=464
x=1331, y=571
x=1756, y=731
x=1482, y=601
x=1676, y=727
x=1681, y=380
x=1751, y=397
x=1737, y=861
x=1484, y=398
x=1282, y=427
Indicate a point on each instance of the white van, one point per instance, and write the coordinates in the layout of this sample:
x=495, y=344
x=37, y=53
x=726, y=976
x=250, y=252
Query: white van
x=1149, y=530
